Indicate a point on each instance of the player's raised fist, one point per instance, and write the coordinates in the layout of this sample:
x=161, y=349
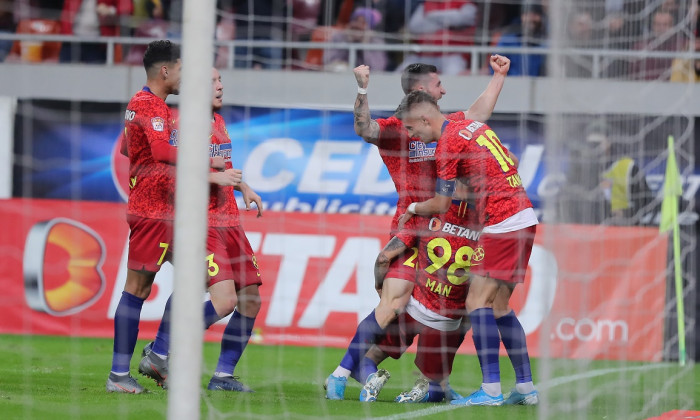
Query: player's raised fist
x=217, y=162
x=499, y=64
x=362, y=75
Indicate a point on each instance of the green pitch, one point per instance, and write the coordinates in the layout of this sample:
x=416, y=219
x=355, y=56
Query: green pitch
x=63, y=378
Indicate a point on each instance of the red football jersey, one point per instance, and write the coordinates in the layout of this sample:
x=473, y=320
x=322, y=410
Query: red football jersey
x=471, y=151
x=148, y=128
x=446, y=251
x=223, y=210
x=411, y=163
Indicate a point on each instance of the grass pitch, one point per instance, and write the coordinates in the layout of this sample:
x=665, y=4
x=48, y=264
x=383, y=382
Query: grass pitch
x=63, y=378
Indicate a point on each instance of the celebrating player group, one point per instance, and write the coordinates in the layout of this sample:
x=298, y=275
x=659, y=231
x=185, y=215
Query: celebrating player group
x=458, y=245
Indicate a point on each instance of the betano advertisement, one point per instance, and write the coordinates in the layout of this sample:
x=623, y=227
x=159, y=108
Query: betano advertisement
x=591, y=291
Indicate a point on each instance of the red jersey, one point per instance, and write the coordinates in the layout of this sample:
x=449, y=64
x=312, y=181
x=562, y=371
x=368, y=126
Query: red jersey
x=148, y=126
x=411, y=163
x=471, y=151
x=223, y=210
x=445, y=252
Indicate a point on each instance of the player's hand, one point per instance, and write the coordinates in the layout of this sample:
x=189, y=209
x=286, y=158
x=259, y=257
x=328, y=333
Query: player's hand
x=362, y=76
x=499, y=64
x=403, y=219
x=250, y=196
x=218, y=163
x=227, y=178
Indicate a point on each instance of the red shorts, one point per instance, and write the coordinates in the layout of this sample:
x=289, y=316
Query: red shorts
x=436, y=349
x=504, y=256
x=404, y=266
x=150, y=243
x=230, y=257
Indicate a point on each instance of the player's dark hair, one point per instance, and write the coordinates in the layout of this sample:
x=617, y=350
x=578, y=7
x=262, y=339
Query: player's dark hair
x=162, y=51
x=412, y=99
x=413, y=74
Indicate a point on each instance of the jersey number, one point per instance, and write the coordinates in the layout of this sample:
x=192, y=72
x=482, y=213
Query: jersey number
x=411, y=261
x=165, y=250
x=490, y=140
x=462, y=260
x=213, y=268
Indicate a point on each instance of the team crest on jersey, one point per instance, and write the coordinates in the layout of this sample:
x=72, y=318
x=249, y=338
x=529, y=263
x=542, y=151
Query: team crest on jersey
x=435, y=224
x=478, y=254
x=466, y=134
x=158, y=123
x=419, y=151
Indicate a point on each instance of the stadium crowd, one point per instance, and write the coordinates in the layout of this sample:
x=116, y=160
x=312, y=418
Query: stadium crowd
x=663, y=25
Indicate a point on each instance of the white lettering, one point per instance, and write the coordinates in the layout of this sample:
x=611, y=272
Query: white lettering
x=586, y=329
x=321, y=162
x=529, y=163
x=355, y=259
x=368, y=182
x=543, y=288
x=295, y=251
x=262, y=157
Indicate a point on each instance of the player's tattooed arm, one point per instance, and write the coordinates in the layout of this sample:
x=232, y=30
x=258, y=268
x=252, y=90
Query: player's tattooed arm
x=381, y=266
x=365, y=126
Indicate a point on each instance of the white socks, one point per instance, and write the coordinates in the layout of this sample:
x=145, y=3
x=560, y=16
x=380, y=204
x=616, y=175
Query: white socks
x=493, y=389
x=525, y=387
x=341, y=372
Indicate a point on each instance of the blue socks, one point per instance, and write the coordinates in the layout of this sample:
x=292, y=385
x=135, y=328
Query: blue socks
x=435, y=392
x=210, y=315
x=234, y=341
x=126, y=331
x=487, y=343
x=363, y=370
x=513, y=337
x=366, y=334
x=161, y=345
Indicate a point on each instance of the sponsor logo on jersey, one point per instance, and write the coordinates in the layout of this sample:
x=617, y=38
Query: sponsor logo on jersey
x=461, y=231
x=223, y=150
x=173, y=137
x=419, y=151
x=158, y=123
x=129, y=115
x=468, y=132
x=435, y=224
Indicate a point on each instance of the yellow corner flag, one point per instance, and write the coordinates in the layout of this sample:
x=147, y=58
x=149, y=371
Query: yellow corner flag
x=672, y=190
x=669, y=220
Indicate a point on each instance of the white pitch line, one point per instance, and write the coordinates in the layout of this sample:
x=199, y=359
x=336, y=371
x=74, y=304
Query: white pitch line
x=545, y=385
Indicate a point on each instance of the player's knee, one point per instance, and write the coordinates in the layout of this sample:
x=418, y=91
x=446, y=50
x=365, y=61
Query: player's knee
x=249, y=305
x=139, y=283
x=224, y=303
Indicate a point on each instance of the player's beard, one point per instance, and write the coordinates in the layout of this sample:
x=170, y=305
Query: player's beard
x=216, y=108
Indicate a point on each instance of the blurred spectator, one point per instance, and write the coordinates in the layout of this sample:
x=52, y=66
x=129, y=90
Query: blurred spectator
x=156, y=26
x=442, y=23
x=686, y=70
x=359, y=30
x=663, y=37
x=31, y=51
x=7, y=26
x=528, y=32
x=225, y=31
x=604, y=184
x=37, y=9
x=580, y=35
x=259, y=20
x=90, y=19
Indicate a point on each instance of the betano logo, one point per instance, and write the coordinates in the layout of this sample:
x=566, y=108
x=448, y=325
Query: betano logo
x=63, y=267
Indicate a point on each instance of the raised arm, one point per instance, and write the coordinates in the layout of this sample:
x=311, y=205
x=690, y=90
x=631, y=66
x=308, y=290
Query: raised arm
x=482, y=108
x=365, y=126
